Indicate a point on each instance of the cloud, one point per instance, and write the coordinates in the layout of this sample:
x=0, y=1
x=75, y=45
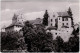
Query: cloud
x=7, y=14
x=6, y=23
x=33, y=10
x=34, y=15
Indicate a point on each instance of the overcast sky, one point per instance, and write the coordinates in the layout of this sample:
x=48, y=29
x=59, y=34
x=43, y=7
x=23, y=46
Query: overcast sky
x=33, y=9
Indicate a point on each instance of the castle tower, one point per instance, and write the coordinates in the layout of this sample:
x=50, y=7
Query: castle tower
x=17, y=18
x=70, y=14
x=14, y=19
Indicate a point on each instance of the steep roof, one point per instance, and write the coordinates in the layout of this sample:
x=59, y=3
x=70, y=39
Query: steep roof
x=37, y=21
x=14, y=16
x=16, y=24
x=63, y=14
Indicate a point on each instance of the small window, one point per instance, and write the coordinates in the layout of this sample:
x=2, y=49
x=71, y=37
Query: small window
x=67, y=31
x=51, y=24
x=55, y=33
x=51, y=20
x=59, y=18
x=67, y=23
x=62, y=19
x=63, y=24
x=66, y=19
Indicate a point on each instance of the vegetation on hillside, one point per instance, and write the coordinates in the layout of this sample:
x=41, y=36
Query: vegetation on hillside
x=12, y=41
x=36, y=39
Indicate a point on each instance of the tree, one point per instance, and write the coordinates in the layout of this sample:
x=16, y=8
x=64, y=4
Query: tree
x=75, y=32
x=70, y=15
x=45, y=19
x=12, y=41
x=58, y=44
x=74, y=44
x=37, y=39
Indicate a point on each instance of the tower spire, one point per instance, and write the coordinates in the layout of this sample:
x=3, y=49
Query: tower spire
x=45, y=19
x=70, y=12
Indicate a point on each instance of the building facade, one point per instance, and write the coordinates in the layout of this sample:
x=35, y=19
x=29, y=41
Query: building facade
x=17, y=23
x=60, y=24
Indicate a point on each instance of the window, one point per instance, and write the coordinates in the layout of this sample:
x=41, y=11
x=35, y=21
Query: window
x=62, y=19
x=59, y=18
x=66, y=19
x=55, y=33
x=66, y=23
x=51, y=24
x=63, y=24
x=51, y=20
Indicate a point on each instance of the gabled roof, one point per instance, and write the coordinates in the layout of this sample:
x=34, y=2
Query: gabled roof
x=35, y=22
x=62, y=14
x=16, y=24
x=38, y=21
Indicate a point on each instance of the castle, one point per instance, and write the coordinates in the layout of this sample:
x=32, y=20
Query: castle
x=17, y=23
x=58, y=23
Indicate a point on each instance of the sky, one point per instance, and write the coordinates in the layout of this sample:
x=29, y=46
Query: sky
x=32, y=9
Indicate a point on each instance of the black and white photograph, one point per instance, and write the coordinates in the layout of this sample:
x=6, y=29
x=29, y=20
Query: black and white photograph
x=39, y=26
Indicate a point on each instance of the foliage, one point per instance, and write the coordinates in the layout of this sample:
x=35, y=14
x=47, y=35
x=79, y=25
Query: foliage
x=45, y=19
x=71, y=46
x=76, y=32
x=58, y=44
x=74, y=44
x=12, y=41
x=37, y=39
